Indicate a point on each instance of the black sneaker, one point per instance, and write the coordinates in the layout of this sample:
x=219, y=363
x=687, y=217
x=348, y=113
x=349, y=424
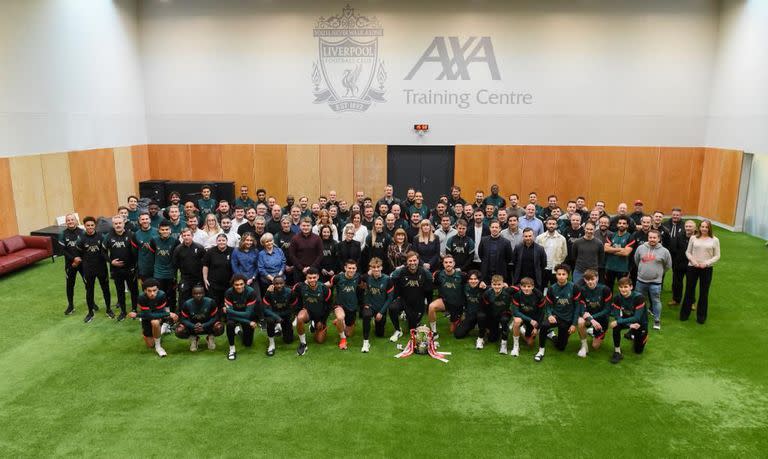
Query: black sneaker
x=302, y=349
x=121, y=317
x=616, y=357
x=95, y=308
x=271, y=352
x=110, y=313
x=88, y=318
x=70, y=309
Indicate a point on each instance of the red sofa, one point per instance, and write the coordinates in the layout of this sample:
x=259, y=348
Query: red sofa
x=19, y=251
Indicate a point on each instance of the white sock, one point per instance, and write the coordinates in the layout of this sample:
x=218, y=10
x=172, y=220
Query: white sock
x=157, y=343
x=515, y=341
x=342, y=335
x=503, y=342
x=365, y=341
x=232, y=348
x=433, y=327
x=303, y=339
x=584, y=343
x=541, y=351
x=272, y=342
x=617, y=349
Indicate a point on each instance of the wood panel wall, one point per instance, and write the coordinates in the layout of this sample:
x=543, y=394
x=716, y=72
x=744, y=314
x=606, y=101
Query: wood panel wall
x=35, y=189
x=662, y=177
x=8, y=222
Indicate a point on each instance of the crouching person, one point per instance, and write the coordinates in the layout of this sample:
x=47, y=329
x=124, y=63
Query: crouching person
x=153, y=313
x=199, y=316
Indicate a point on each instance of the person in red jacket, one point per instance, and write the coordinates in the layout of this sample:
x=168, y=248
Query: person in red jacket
x=305, y=251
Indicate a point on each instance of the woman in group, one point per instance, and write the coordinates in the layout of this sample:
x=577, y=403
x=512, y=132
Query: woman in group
x=324, y=219
x=427, y=245
x=217, y=269
x=703, y=252
x=396, y=253
x=244, y=259
x=270, y=261
x=360, y=231
x=329, y=264
x=349, y=248
x=376, y=244
x=212, y=230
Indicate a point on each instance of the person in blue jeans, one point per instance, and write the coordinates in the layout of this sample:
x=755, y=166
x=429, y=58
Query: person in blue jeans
x=652, y=261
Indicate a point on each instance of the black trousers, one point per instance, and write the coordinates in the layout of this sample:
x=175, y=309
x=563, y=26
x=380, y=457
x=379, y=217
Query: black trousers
x=285, y=325
x=678, y=278
x=702, y=276
x=247, y=333
x=185, y=288
x=90, y=286
x=413, y=314
x=169, y=287
x=71, y=278
x=497, y=325
x=467, y=324
x=216, y=292
x=547, y=278
x=562, y=326
x=125, y=278
x=639, y=337
x=367, y=314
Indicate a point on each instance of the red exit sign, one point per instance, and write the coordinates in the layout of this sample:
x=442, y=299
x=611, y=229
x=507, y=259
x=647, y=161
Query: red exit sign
x=421, y=127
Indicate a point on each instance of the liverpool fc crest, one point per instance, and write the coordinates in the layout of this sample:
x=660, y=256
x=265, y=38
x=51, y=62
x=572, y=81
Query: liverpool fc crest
x=350, y=76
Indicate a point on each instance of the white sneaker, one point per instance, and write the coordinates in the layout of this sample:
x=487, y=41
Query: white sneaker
x=160, y=351
x=479, y=343
x=582, y=352
x=522, y=330
x=551, y=334
x=278, y=328
x=211, y=342
x=657, y=325
x=165, y=329
x=238, y=330
x=366, y=347
x=591, y=331
x=193, y=343
x=402, y=315
x=515, y=351
x=396, y=336
x=294, y=322
x=503, y=348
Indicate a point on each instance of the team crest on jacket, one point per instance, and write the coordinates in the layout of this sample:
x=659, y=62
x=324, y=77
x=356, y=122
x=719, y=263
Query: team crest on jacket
x=350, y=76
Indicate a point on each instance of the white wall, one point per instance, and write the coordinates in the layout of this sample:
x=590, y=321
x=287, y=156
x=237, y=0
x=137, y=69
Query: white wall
x=739, y=109
x=604, y=72
x=69, y=76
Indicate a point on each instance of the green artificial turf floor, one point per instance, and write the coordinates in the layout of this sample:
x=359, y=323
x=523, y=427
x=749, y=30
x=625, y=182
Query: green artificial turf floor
x=67, y=388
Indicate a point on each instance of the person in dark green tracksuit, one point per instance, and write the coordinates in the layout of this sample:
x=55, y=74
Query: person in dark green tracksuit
x=562, y=310
x=379, y=293
x=199, y=315
x=145, y=264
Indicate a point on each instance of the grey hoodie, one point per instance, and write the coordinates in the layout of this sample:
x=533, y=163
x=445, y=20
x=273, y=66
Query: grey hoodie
x=652, y=262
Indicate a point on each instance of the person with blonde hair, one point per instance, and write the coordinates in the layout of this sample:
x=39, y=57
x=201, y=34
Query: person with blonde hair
x=427, y=245
x=212, y=230
x=324, y=218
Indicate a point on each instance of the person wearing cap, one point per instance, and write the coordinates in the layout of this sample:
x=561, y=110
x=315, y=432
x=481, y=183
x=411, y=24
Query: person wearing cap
x=638, y=213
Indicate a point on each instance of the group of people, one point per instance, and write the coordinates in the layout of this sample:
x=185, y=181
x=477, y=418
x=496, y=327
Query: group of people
x=496, y=265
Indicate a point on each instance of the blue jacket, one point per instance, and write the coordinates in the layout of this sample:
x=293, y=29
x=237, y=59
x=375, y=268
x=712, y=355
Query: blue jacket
x=271, y=264
x=244, y=263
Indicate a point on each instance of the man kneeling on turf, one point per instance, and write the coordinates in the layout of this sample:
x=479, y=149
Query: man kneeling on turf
x=528, y=305
x=629, y=310
x=241, y=305
x=562, y=310
x=349, y=295
x=597, y=309
x=153, y=312
x=313, y=299
x=199, y=315
x=278, y=311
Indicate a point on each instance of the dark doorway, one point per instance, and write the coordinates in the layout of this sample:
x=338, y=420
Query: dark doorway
x=426, y=168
